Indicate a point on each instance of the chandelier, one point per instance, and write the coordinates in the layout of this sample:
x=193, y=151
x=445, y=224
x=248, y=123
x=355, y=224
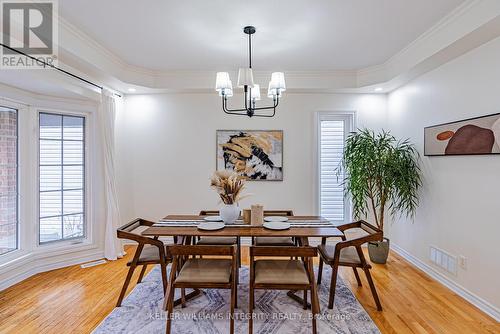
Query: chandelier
x=224, y=86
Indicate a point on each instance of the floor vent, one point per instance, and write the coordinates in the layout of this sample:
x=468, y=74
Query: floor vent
x=443, y=260
x=93, y=264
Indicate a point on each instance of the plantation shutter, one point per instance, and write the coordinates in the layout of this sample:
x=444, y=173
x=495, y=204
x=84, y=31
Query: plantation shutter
x=333, y=130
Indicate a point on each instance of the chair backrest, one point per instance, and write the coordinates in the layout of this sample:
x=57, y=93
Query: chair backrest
x=283, y=251
x=127, y=232
x=287, y=213
x=186, y=250
x=209, y=213
x=266, y=213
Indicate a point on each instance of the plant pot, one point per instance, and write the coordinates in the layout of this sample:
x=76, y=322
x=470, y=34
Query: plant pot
x=229, y=213
x=379, y=251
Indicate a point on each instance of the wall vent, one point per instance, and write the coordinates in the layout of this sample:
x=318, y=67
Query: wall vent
x=443, y=260
x=93, y=264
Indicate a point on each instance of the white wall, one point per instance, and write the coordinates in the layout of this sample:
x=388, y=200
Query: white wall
x=459, y=209
x=166, y=150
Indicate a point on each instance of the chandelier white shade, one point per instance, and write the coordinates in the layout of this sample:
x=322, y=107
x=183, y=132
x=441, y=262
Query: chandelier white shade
x=223, y=83
x=255, y=93
x=276, y=85
x=245, y=77
x=278, y=81
x=224, y=87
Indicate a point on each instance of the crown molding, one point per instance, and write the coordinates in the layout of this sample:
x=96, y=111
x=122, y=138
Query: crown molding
x=450, y=30
x=468, y=26
x=29, y=98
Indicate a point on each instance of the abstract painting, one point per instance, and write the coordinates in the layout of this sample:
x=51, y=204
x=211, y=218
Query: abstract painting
x=479, y=135
x=257, y=155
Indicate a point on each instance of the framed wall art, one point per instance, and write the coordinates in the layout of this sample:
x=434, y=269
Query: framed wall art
x=256, y=154
x=478, y=135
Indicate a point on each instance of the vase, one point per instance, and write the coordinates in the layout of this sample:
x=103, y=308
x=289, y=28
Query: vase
x=379, y=251
x=229, y=213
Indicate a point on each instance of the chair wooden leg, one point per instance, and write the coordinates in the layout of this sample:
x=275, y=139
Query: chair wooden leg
x=320, y=270
x=314, y=312
x=250, y=309
x=233, y=305
x=164, y=279
x=305, y=300
x=236, y=296
x=183, y=297
x=315, y=308
x=333, y=285
x=141, y=275
x=357, y=276
x=239, y=251
x=372, y=288
x=170, y=308
x=125, y=285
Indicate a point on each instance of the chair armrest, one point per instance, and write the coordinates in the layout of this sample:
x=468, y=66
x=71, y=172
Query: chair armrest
x=357, y=242
x=125, y=232
x=348, y=226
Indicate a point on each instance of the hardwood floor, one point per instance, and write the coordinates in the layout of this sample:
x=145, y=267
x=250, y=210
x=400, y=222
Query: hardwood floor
x=75, y=300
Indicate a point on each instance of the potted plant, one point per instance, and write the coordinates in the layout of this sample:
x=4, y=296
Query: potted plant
x=381, y=173
x=229, y=186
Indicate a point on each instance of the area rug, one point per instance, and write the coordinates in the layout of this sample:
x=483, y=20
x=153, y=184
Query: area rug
x=275, y=312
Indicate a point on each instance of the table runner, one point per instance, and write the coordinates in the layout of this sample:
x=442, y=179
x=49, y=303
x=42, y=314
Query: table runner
x=293, y=223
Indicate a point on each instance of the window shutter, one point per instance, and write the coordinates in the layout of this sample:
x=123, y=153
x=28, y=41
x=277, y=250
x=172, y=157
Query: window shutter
x=332, y=134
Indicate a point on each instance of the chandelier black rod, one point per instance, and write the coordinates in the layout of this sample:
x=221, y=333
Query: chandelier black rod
x=249, y=103
x=224, y=105
x=250, y=50
x=235, y=111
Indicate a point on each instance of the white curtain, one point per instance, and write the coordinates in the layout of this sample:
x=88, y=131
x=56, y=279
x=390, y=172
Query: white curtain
x=113, y=248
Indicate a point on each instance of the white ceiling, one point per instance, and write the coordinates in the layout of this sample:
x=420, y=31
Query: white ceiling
x=291, y=34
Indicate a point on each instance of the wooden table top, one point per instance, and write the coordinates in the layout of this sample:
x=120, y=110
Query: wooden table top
x=241, y=231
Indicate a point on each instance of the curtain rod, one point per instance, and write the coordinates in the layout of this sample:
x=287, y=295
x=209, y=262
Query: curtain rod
x=57, y=68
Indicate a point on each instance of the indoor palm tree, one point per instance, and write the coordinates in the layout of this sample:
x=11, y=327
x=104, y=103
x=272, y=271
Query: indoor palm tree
x=381, y=173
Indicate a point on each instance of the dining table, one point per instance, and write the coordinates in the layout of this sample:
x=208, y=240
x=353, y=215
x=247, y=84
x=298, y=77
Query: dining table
x=185, y=227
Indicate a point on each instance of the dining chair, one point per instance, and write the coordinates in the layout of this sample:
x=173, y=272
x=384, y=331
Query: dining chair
x=148, y=251
x=275, y=241
x=277, y=274
x=210, y=273
x=219, y=240
x=348, y=253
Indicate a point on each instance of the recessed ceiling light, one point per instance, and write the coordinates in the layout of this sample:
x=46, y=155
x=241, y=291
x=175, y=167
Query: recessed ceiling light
x=378, y=89
x=131, y=90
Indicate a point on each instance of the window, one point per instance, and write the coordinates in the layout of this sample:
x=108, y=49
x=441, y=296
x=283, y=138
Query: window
x=62, y=177
x=8, y=180
x=333, y=130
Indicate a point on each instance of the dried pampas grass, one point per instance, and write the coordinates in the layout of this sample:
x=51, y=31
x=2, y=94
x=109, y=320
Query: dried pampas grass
x=228, y=185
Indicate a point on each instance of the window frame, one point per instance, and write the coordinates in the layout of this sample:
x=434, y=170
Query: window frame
x=18, y=171
x=88, y=217
x=349, y=119
x=49, y=256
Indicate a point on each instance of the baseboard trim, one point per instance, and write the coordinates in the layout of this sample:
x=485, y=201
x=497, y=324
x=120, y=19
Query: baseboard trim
x=36, y=269
x=472, y=298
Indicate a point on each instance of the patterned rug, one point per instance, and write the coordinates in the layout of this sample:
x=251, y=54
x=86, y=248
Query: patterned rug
x=275, y=312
